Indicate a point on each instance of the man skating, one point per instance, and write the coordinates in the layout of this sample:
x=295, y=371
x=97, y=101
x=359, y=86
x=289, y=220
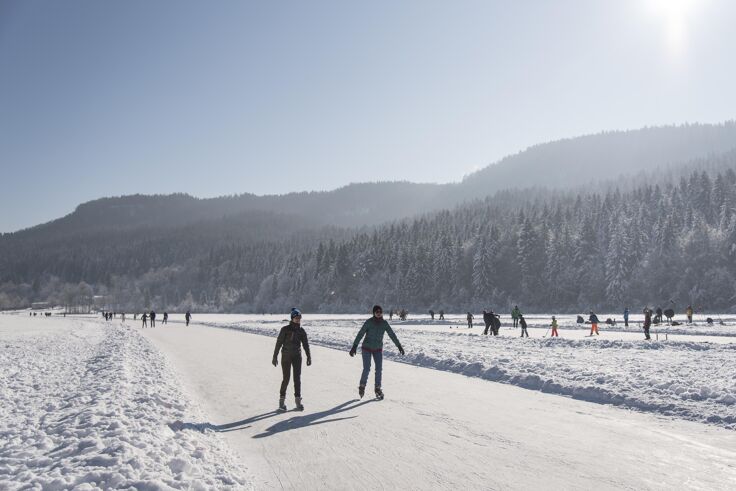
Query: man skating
x=593, y=323
x=187, y=317
x=290, y=341
x=373, y=329
x=647, y=322
x=522, y=323
x=144, y=318
x=515, y=313
x=495, y=323
x=487, y=321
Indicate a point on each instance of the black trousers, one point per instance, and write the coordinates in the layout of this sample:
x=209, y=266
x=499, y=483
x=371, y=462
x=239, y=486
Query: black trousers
x=288, y=362
x=646, y=333
x=486, y=329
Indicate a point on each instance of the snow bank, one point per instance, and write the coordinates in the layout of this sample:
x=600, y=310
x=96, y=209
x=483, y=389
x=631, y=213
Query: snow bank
x=86, y=405
x=688, y=380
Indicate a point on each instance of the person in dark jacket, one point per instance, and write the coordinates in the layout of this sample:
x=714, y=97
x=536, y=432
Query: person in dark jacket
x=626, y=316
x=495, y=323
x=188, y=317
x=152, y=315
x=522, y=323
x=166, y=318
x=593, y=324
x=143, y=318
x=647, y=322
x=290, y=340
x=470, y=318
x=658, y=317
x=373, y=329
x=487, y=321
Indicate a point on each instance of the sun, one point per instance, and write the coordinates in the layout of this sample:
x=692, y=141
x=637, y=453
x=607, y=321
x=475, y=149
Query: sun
x=674, y=16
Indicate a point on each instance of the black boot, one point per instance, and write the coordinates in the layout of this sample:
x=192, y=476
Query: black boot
x=298, y=401
x=361, y=391
x=282, y=403
x=379, y=393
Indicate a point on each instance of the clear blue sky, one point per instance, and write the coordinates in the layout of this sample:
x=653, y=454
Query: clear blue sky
x=211, y=98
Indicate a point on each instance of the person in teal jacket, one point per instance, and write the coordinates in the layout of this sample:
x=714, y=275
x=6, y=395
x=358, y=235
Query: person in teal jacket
x=373, y=329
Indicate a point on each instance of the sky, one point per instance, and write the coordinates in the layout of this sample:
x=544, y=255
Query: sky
x=215, y=98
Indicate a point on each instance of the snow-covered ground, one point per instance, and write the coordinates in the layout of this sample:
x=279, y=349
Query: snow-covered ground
x=685, y=376
x=86, y=405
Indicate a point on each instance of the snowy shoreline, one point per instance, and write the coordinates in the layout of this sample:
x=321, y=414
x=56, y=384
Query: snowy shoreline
x=682, y=379
x=87, y=405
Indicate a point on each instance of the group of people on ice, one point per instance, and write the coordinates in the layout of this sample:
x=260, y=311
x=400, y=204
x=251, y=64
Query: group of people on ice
x=292, y=337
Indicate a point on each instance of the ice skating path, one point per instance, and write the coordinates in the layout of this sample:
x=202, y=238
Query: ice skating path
x=434, y=430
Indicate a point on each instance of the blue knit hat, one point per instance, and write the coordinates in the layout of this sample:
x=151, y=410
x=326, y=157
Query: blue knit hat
x=295, y=313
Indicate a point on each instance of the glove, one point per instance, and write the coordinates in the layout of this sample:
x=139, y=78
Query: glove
x=401, y=350
x=275, y=361
x=353, y=350
x=309, y=360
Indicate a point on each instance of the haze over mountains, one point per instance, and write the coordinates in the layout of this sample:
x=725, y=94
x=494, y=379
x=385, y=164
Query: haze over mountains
x=561, y=164
x=217, y=253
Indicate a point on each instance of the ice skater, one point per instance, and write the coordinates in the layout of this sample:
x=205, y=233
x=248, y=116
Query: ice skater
x=515, y=313
x=647, y=323
x=144, y=318
x=522, y=323
x=554, y=328
x=469, y=317
x=187, y=317
x=166, y=318
x=290, y=341
x=373, y=329
x=152, y=315
x=593, y=324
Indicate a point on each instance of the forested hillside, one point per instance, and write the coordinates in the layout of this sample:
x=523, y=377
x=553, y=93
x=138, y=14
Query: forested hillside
x=653, y=235
x=673, y=240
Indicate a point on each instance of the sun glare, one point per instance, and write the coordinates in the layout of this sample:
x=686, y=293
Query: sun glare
x=674, y=15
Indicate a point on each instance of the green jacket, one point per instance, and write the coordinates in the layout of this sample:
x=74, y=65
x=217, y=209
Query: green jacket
x=373, y=331
x=515, y=313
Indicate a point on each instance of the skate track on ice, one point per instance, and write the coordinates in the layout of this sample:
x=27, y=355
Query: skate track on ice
x=434, y=430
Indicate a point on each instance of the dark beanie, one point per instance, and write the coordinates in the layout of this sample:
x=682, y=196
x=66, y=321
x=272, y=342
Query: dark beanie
x=377, y=307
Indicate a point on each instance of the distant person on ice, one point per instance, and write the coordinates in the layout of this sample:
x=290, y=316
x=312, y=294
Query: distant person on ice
x=431, y=314
x=290, y=341
x=626, y=316
x=689, y=314
x=647, y=322
x=373, y=329
x=187, y=317
x=522, y=323
x=122, y=318
x=442, y=315
x=515, y=313
x=469, y=317
x=554, y=327
x=658, y=317
x=166, y=318
x=487, y=321
x=593, y=324
x=144, y=317
x=152, y=315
